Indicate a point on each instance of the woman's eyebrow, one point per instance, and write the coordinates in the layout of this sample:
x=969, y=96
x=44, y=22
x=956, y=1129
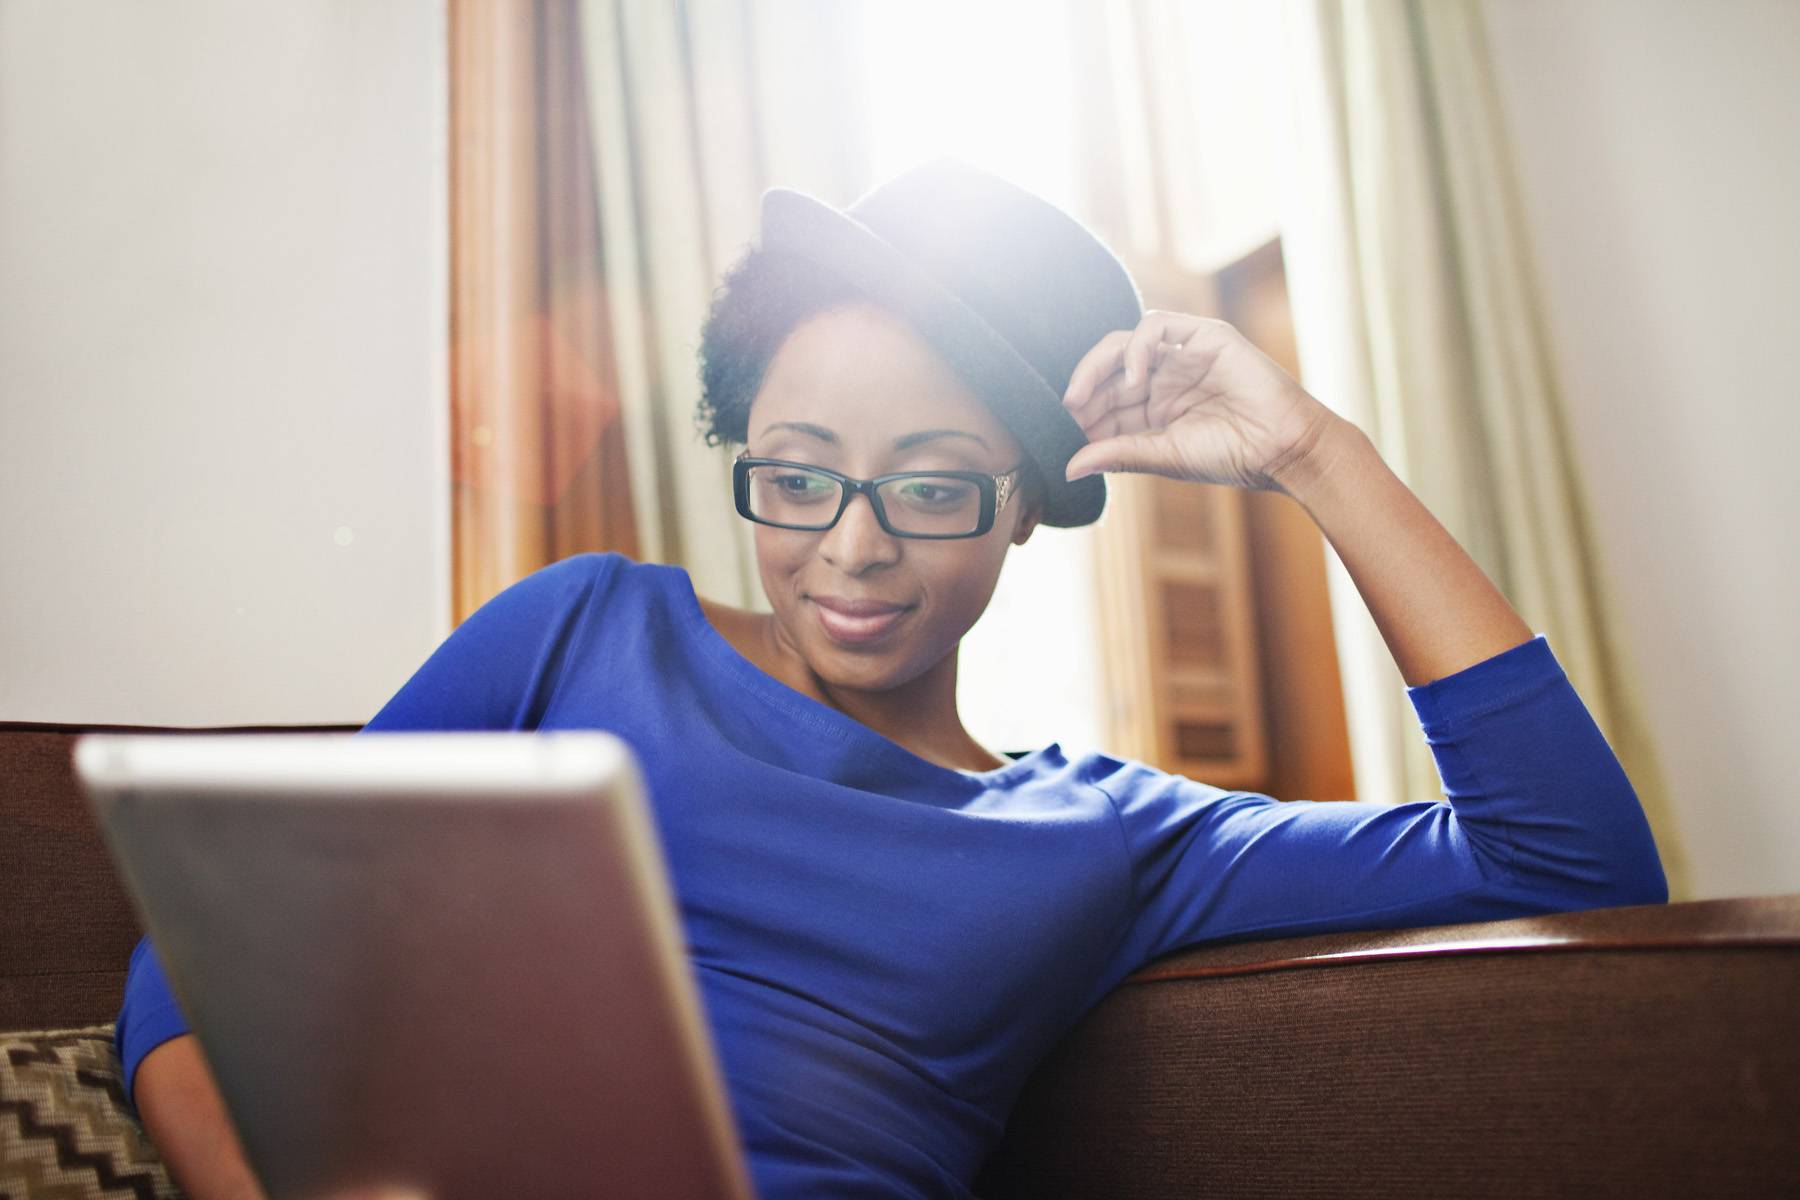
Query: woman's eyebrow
x=926, y=435
x=818, y=431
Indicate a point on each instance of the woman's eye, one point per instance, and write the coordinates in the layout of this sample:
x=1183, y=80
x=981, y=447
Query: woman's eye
x=935, y=491
x=799, y=486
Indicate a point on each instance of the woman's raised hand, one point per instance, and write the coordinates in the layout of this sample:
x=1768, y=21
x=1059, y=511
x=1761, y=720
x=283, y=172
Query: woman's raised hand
x=1191, y=398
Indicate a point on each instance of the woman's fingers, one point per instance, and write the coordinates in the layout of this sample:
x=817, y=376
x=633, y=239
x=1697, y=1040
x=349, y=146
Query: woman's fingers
x=1114, y=394
x=1125, y=360
x=1137, y=351
x=1099, y=362
x=1109, y=411
x=1097, y=401
x=1188, y=397
x=1110, y=393
x=1165, y=405
x=1116, y=422
x=1125, y=452
x=1157, y=327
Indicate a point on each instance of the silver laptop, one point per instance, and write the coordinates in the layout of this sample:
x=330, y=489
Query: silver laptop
x=425, y=964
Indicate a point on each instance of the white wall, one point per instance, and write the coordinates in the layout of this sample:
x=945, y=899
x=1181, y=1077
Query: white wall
x=223, y=429
x=1659, y=152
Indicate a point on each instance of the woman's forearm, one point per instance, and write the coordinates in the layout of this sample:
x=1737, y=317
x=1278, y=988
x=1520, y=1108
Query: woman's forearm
x=1437, y=610
x=186, y=1119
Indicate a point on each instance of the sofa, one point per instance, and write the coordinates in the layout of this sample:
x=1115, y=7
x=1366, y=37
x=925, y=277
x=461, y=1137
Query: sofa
x=1646, y=1051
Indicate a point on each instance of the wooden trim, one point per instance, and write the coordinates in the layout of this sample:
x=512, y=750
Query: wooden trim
x=60, y=727
x=1347, y=958
x=1203, y=721
x=1302, y=688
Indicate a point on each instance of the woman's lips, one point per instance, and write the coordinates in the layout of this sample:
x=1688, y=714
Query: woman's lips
x=857, y=622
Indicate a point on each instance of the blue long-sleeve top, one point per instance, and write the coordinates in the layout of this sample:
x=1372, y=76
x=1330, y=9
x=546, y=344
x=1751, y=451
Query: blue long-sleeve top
x=885, y=947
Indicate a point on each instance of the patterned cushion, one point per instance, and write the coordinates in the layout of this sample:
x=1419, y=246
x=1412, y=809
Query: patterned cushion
x=66, y=1132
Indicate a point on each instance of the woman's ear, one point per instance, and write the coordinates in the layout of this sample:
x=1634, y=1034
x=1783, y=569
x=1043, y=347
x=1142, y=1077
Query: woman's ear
x=1031, y=511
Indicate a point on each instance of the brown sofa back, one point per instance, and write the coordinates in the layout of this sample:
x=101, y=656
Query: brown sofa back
x=66, y=925
x=1645, y=1051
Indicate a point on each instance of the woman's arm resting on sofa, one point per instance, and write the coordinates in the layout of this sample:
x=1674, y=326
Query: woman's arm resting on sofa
x=185, y=1117
x=1537, y=817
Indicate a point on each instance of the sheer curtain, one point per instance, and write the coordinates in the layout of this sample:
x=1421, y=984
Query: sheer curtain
x=695, y=108
x=1418, y=316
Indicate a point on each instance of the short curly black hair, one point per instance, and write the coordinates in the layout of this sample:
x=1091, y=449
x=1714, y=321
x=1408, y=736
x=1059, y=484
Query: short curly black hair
x=765, y=296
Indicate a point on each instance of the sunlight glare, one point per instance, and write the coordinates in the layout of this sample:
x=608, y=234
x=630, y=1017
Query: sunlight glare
x=989, y=83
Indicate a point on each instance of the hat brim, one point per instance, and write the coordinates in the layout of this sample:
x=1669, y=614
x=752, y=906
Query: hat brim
x=1022, y=399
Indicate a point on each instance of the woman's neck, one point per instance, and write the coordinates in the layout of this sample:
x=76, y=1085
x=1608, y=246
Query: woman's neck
x=921, y=715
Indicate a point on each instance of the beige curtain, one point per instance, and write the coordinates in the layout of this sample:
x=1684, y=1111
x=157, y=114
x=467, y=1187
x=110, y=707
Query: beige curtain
x=695, y=108
x=538, y=453
x=1418, y=317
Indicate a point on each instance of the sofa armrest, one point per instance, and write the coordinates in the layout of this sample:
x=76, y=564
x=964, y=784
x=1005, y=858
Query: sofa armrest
x=1644, y=1051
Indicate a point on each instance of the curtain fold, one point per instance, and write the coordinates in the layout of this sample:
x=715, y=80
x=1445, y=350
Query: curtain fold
x=1410, y=264
x=538, y=455
x=695, y=107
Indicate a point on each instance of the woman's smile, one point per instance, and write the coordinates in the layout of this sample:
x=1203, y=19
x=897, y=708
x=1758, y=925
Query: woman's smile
x=851, y=622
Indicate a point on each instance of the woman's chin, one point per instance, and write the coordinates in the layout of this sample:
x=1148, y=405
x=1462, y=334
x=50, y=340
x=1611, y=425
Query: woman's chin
x=859, y=671
x=863, y=668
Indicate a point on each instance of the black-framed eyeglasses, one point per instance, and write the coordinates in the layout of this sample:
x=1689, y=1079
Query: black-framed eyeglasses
x=912, y=504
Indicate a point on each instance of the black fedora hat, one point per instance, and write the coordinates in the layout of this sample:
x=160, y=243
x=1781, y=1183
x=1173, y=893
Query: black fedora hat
x=1010, y=289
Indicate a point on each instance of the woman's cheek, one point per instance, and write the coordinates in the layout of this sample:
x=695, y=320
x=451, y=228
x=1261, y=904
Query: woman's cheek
x=965, y=587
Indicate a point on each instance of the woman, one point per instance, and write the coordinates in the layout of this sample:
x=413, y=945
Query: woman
x=890, y=923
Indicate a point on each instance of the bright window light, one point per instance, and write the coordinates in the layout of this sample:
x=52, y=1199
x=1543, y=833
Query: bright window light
x=988, y=82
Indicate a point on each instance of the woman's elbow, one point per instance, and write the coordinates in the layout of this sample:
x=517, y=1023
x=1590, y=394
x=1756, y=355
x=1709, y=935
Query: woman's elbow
x=1644, y=882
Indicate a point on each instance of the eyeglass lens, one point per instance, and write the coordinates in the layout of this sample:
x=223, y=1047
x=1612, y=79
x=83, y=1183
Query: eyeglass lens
x=925, y=504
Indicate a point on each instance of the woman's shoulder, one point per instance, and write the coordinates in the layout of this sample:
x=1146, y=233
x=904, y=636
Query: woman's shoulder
x=599, y=571
x=625, y=581
x=586, y=566
x=575, y=592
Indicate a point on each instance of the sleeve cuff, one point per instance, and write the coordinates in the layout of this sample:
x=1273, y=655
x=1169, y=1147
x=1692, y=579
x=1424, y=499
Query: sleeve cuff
x=148, y=1017
x=148, y=1031
x=1490, y=684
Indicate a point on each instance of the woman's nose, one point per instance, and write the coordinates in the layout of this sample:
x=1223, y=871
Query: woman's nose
x=858, y=542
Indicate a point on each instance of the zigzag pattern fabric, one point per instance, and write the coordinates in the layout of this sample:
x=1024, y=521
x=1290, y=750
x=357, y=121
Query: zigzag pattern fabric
x=66, y=1132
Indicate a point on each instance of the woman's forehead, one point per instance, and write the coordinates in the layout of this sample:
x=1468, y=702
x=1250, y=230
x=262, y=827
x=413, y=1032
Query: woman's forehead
x=861, y=374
